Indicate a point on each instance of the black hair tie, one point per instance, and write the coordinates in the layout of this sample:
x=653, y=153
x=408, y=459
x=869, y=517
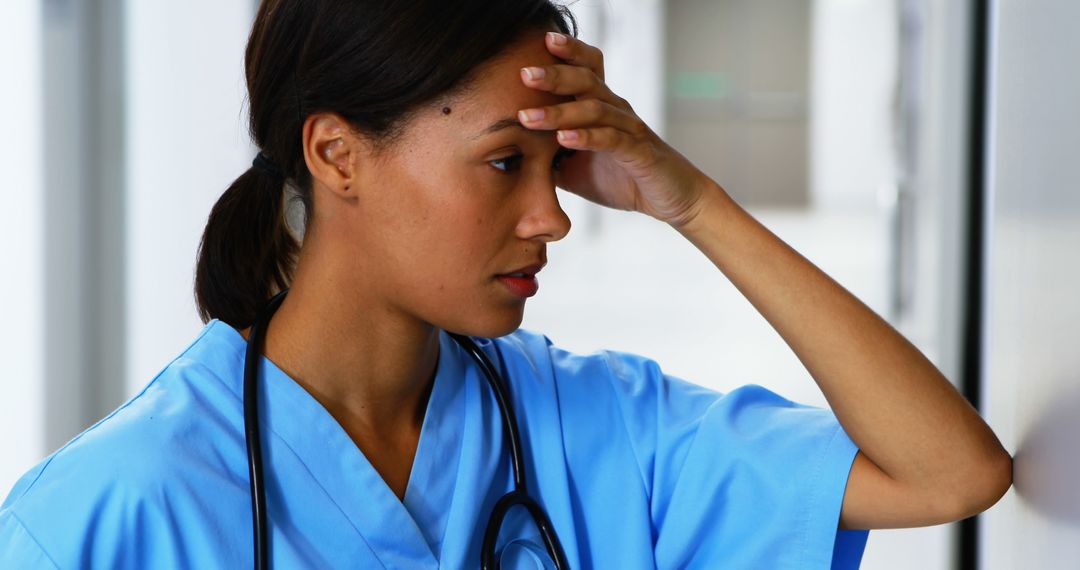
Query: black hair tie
x=263, y=164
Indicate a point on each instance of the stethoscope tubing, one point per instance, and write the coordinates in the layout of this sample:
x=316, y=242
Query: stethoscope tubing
x=518, y=497
x=252, y=437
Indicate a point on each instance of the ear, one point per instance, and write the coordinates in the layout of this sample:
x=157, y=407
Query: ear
x=330, y=151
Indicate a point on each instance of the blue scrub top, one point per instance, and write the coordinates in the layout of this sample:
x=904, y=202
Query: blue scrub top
x=637, y=469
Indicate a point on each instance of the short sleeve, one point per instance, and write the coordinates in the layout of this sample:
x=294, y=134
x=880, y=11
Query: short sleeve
x=18, y=548
x=746, y=479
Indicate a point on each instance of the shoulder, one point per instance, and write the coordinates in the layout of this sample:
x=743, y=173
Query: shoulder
x=536, y=351
x=608, y=397
x=631, y=379
x=186, y=408
x=120, y=472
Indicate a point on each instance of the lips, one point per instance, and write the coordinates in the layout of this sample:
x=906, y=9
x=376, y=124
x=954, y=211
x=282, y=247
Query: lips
x=522, y=281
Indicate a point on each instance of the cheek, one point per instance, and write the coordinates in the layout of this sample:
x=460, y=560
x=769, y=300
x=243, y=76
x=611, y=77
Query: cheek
x=453, y=234
x=465, y=208
x=447, y=225
x=466, y=233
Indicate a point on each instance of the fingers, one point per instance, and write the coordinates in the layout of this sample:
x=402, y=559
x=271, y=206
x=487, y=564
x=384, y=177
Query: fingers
x=576, y=52
x=598, y=119
x=570, y=80
x=600, y=139
x=581, y=113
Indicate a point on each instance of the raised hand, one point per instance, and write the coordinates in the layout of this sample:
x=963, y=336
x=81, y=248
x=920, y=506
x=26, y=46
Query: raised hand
x=621, y=162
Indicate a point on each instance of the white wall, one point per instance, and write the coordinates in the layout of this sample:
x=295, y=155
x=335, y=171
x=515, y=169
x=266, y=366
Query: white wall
x=1032, y=384
x=853, y=81
x=22, y=350
x=187, y=140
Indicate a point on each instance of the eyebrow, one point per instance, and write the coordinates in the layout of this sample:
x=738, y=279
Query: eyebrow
x=499, y=125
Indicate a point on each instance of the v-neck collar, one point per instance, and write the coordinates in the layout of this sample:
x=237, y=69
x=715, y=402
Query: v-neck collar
x=430, y=491
x=402, y=534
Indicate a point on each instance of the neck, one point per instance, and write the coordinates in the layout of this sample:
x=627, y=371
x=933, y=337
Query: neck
x=370, y=366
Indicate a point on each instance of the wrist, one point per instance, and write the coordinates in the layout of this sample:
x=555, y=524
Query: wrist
x=712, y=202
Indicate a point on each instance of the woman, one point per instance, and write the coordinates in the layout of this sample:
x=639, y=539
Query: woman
x=424, y=141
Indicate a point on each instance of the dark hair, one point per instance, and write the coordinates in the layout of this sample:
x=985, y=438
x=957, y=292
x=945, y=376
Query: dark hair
x=374, y=62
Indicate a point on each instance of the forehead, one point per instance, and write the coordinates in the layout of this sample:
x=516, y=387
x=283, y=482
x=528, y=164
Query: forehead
x=496, y=93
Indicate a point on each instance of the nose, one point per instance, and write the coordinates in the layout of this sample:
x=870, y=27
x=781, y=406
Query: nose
x=544, y=218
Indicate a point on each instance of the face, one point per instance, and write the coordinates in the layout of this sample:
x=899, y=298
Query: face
x=460, y=199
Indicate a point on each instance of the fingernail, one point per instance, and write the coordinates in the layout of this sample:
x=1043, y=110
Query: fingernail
x=532, y=73
x=530, y=115
x=567, y=136
x=557, y=39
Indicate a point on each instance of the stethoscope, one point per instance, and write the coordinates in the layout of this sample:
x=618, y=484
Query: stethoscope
x=519, y=496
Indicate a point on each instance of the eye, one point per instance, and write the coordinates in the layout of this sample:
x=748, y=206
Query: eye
x=513, y=162
x=507, y=163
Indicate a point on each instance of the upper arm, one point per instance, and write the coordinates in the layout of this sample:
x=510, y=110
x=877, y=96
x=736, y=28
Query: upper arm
x=873, y=499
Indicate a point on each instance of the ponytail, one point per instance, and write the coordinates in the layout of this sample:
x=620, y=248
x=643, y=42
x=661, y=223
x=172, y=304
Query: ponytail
x=247, y=253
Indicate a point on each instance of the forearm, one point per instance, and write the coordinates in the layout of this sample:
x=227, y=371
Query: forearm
x=897, y=407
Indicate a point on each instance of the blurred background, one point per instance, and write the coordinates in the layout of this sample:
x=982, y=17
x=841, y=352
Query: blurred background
x=922, y=152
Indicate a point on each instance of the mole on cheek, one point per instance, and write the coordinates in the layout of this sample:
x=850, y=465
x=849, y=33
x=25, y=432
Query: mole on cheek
x=446, y=110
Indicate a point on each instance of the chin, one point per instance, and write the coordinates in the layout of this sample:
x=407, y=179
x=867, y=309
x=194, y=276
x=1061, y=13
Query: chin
x=496, y=330
x=495, y=325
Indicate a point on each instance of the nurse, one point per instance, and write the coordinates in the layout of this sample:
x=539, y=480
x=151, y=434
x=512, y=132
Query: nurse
x=422, y=143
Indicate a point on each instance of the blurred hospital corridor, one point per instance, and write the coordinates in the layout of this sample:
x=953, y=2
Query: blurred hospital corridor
x=925, y=154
